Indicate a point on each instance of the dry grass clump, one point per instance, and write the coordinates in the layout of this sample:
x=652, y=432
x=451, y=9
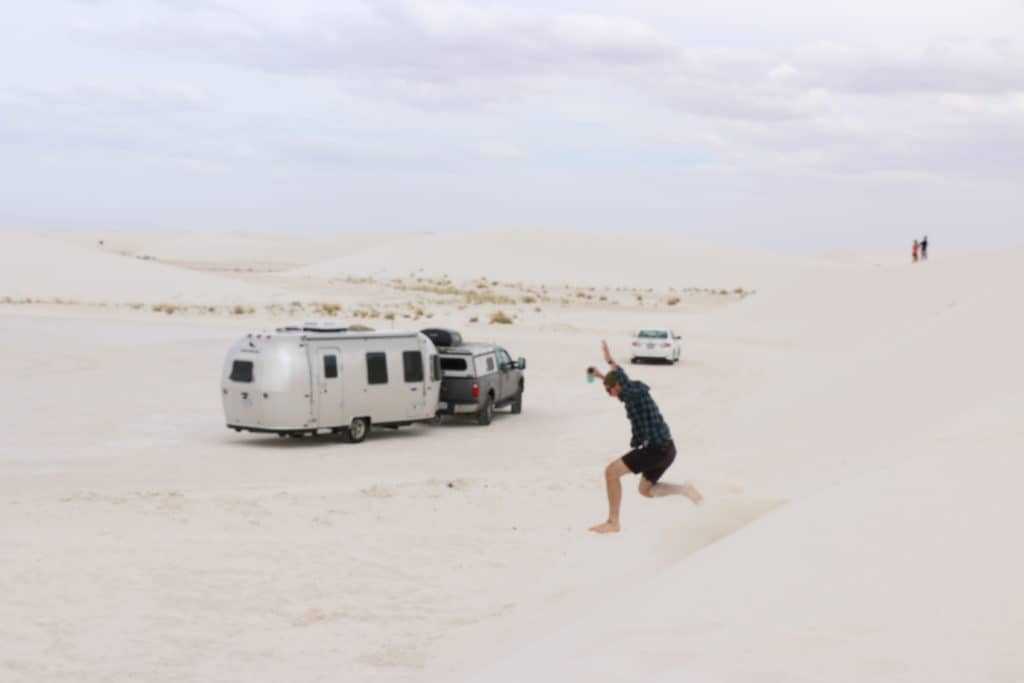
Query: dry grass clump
x=500, y=318
x=358, y=327
x=474, y=319
x=169, y=309
x=488, y=297
x=390, y=315
x=673, y=300
x=238, y=309
x=529, y=299
x=368, y=312
x=326, y=308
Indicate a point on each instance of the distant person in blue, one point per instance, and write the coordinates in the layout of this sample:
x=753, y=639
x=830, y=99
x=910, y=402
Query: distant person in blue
x=652, y=452
x=924, y=248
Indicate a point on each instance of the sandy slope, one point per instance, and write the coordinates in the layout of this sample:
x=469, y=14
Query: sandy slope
x=44, y=268
x=900, y=451
x=855, y=427
x=244, y=250
x=634, y=260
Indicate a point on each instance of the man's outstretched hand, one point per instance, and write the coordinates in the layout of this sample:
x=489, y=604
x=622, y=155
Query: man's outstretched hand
x=607, y=353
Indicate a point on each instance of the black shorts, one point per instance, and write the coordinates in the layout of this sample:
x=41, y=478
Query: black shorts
x=651, y=461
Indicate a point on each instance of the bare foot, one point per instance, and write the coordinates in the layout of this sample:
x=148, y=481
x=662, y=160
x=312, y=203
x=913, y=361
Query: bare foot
x=691, y=492
x=606, y=528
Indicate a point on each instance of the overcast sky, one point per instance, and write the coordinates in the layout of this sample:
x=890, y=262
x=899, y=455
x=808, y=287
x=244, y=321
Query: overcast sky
x=814, y=124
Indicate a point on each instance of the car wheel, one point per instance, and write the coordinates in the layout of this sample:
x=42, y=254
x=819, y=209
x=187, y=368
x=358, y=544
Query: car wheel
x=486, y=413
x=358, y=430
x=517, y=403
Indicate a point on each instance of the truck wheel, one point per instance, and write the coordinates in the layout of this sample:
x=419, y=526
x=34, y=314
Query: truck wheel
x=486, y=413
x=437, y=419
x=517, y=403
x=358, y=430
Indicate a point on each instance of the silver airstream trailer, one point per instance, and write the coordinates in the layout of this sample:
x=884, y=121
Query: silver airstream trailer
x=314, y=378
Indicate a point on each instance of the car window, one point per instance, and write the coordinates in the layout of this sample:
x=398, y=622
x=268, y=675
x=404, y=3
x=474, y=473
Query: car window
x=412, y=362
x=503, y=357
x=241, y=371
x=653, y=334
x=484, y=364
x=376, y=368
x=456, y=364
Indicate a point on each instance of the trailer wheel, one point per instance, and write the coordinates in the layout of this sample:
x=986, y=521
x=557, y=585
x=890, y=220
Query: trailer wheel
x=358, y=430
x=486, y=413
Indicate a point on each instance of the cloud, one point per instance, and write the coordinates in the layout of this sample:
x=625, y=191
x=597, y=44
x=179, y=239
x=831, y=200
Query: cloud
x=639, y=96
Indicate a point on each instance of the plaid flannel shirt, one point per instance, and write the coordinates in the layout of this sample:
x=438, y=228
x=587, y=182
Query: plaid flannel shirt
x=649, y=428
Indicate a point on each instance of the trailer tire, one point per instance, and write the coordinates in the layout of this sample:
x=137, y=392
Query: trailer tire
x=486, y=413
x=357, y=431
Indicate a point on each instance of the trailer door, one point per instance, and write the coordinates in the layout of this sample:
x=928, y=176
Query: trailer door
x=415, y=383
x=328, y=387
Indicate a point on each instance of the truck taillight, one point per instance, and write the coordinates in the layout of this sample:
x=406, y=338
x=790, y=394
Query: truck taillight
x=476, y=391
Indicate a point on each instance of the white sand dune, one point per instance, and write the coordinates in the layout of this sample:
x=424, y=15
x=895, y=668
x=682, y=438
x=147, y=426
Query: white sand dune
x=855, y=427
x=900, y=450
x=44, y=268
x=590, y=259
x=233, y=249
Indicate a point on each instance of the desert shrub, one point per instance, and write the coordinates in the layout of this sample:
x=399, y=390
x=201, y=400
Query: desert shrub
x=500, y=318
x=673, y=300
x=169, y=309
x=529, y=300
x=474, y=319
x=327, y=308
x=360, y=328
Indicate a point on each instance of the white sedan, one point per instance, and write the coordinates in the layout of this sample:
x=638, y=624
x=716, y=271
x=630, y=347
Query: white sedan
x=655, y=344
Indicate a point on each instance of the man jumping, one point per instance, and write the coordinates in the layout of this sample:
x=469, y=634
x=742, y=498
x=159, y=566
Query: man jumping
x=653, y=450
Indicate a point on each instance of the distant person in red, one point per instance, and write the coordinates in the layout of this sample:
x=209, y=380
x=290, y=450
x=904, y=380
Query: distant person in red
x=914, y=252
x=924, y=248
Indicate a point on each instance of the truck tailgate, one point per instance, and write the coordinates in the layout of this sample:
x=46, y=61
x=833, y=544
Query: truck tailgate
x=457, y=389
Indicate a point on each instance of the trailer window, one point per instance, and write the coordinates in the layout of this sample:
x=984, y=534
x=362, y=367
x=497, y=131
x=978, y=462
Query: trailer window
x=330, y=367
x=376, y=368
x=435, y=368
x=454, y=364
x=241, y=371
x=412, y=361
